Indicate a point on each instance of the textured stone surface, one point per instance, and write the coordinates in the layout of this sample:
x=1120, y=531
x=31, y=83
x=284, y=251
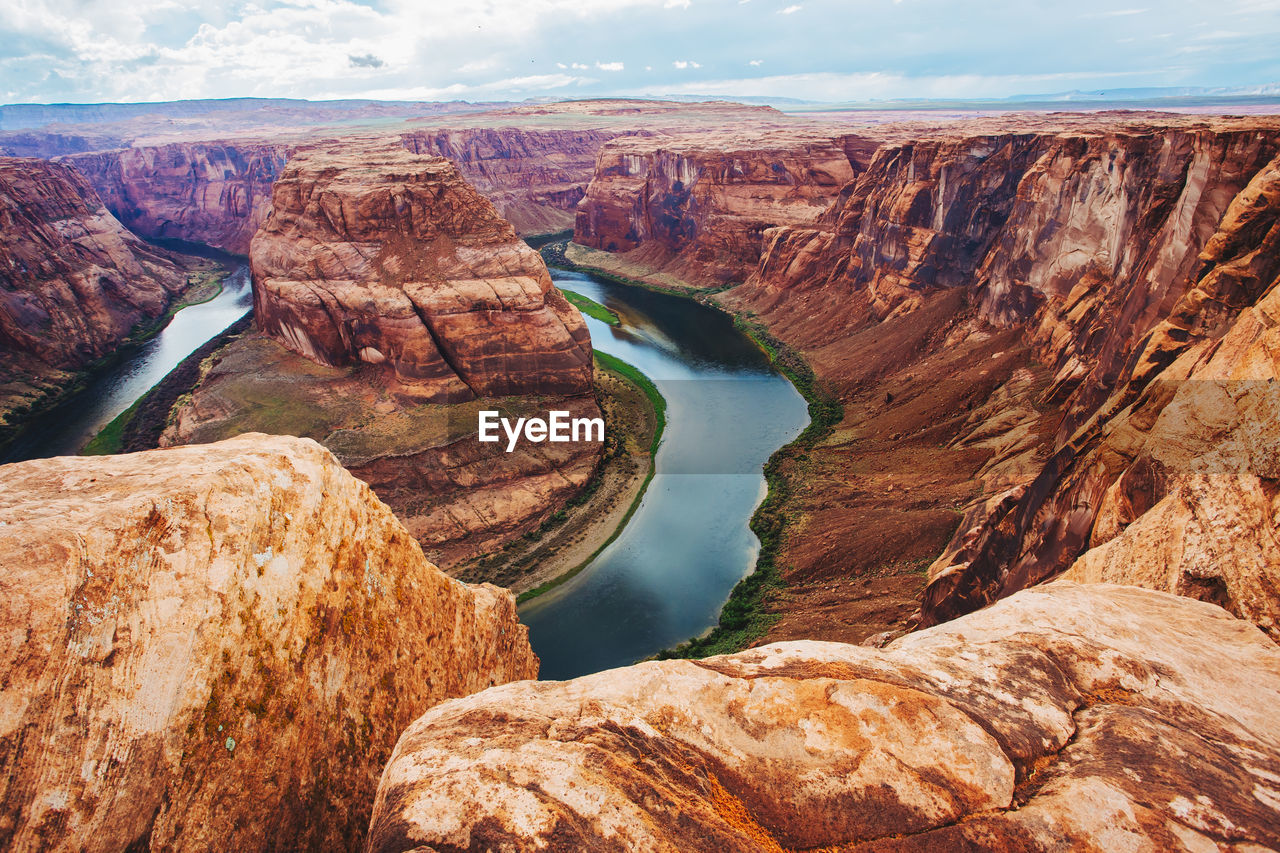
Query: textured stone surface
x=1081, y=261
x=215, y=193
x=1083, y=717
x=696, y=204
x=75, y=282
x=216, y=647
x=534, y=177
x=380, y=256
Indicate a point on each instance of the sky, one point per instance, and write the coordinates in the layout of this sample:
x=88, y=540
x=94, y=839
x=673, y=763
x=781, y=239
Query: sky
x=825, y=50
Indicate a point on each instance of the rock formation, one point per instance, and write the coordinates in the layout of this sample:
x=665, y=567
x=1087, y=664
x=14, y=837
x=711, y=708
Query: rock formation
x=216, y=647
x=73, y=282
x=384, y=257
x=1071, y=267
x=1083, y=717
x=215, y=193
x=697, y=204
x=396, y=304
x=534, y=177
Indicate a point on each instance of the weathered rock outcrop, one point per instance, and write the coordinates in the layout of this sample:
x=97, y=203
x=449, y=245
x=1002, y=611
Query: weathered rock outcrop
x=73, y=282
x=216, y=647
x=384, y=257
x=1083, y=717
x=215, y=193
x=534, y=177
x=1079, y=264
x=696, y=205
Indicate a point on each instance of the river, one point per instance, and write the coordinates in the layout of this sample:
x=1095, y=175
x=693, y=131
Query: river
x=666, y=577
x=65, y=431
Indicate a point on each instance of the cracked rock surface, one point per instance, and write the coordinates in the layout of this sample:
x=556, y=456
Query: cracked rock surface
x=1081, y=717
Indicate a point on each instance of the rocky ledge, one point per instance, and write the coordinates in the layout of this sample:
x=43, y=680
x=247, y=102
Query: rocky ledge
x=216, y=647
x=1082, y=717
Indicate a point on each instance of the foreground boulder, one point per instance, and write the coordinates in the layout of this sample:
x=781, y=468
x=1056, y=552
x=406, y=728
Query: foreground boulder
x=216, y=647
x=1082, y=717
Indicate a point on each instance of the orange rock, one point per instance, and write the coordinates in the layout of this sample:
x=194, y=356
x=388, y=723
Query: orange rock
x=380, y=256
x=216, y=647
x=1084, y=717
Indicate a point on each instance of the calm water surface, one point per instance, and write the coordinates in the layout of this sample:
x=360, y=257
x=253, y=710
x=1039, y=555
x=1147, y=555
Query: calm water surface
x=70, y=428
x=667, y=576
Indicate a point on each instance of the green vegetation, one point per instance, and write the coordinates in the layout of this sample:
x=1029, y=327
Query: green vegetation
x=111, y=438
x=537, y=241
x=633, y=375
x=591, y=308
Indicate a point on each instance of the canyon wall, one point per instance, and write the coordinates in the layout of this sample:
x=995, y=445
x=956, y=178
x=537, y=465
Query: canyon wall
x=1083, y=717
x=1124, y=257
x=216, y=647
x=695, y=205
x=534, y=177
x=73, y=282
x=215, y=193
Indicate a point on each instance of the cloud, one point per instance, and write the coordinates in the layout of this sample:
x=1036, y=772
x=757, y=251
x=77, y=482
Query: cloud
x=677, y=4
x=686, y=63
x=366, y=61
x=790, y=10
x=610, y=66
x=756, y=62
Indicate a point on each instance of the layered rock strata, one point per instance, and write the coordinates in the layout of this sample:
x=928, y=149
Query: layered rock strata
x=534, y=177
x=383, y=257
x=1088, y=717
x=1080, y=264
x=215, y=193
x=395, y=305
x=216, y=647
x=695, y=205
x=73, y=282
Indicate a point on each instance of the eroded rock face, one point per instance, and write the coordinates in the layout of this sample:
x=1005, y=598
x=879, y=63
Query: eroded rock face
x=216, y=647
x=73, y=284
x=384, y=257
x=215, y=193
x=1088, y=259
x=534, y=177
x=696, y=205
x=74, y=281
x=1091, y=717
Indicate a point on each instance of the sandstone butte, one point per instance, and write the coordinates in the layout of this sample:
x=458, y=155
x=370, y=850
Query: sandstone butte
x=1068, y=717
x=403, y=293
x=1072, y=312
x=73, y=282
x=216, y=647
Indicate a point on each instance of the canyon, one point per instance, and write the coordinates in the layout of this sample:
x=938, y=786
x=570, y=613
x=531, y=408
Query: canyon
x=74, y=285
x=217, y=646
x=1040, y=353
x=1004, y=309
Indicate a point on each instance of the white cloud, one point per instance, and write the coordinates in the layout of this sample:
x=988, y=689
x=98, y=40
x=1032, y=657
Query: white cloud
x=686, y=63
x=756, y=62
x=790, y=10
x=677, y=4
x=610, y=66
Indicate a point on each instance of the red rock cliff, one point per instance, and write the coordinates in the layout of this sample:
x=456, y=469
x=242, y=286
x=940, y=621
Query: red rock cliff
x=1093, y=257
x=534, y=177
x=73, y=284
x=215, y=193
x=385, y=257
x=696, y=205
